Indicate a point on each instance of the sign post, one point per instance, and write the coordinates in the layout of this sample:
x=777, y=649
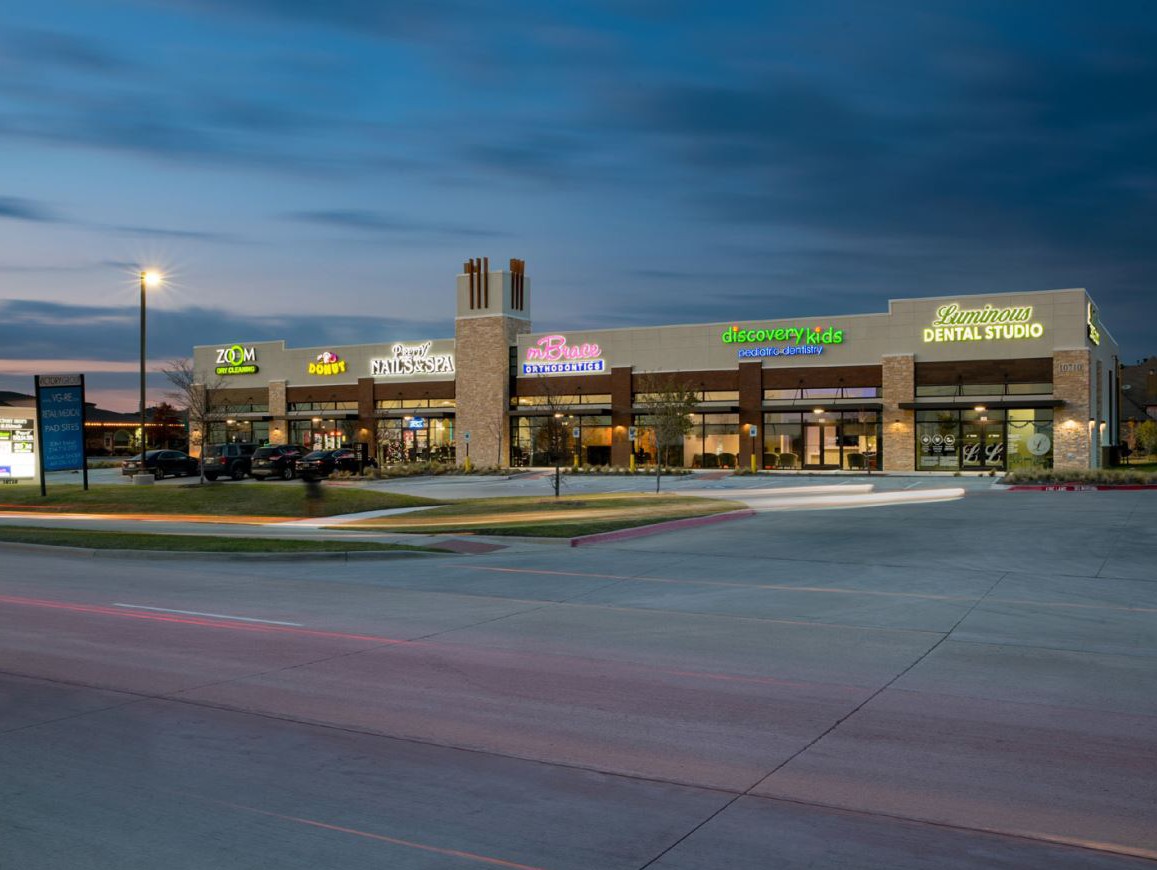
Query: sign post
x=60, y=424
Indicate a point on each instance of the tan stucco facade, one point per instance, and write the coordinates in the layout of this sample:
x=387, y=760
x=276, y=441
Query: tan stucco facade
x=1041, y=350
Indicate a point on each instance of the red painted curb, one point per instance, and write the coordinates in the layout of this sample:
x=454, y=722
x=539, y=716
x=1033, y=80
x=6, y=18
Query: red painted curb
x=1078, y=487
x=659, y=528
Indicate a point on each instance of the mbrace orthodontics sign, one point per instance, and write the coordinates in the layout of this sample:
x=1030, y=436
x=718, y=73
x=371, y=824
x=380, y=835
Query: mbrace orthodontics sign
x=413, y=359
x=954, y=323
x=792, y=340
x=551, y=355
x=236, y=360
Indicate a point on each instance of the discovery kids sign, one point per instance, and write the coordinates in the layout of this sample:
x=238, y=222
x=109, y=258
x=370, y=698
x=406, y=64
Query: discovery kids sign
x=954, y=323
x=793, y=340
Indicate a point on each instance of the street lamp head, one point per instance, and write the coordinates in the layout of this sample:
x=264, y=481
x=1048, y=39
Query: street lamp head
x=150, y=278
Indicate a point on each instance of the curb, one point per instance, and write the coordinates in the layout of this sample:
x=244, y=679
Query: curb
x=660, y=528
x=1078, y=487
x=194, y=556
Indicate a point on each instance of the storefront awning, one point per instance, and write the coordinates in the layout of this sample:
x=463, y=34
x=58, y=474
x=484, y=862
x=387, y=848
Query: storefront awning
x=808, y=405
x=967, y=403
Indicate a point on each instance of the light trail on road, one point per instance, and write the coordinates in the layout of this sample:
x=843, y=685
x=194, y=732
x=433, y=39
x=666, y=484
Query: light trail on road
x=212, y=615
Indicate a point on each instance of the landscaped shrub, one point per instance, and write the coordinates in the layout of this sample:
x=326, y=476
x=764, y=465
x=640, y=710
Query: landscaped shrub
x=1102, y=476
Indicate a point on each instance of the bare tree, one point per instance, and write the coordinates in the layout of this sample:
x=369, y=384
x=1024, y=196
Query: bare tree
x=551, y=434
x=668, y=404
x=200, y=396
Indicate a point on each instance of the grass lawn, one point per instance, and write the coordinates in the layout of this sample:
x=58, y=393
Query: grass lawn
x=211, y=499
x=564, y=517
x=185, y=543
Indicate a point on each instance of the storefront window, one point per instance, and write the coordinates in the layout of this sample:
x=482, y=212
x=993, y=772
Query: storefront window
x=982, y=439
x=542, y=440
x=321, y=434
x=249, y=431
x=938, y=440
x=860, y=440
x=782, y=440
x=827, y=439
x=1030, y=438
x=415, y=439
x=594, y=444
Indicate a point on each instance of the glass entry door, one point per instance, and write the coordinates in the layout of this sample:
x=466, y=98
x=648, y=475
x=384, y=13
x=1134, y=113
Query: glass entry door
x=983, y=443
x=821, y=445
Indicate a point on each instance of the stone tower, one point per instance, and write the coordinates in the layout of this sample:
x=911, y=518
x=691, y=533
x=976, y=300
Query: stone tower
x=493, y=309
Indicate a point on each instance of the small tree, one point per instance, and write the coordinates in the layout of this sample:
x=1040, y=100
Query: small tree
x=199, y=396
x=668, y=404
x=1147, y=436
x=552, y=433
x=167, y=421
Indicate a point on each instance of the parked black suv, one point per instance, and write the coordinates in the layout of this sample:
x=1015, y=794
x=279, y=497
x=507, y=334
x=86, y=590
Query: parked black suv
x=228, y=460
x=276, y=460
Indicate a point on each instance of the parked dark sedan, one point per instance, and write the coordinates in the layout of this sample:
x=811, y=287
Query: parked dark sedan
x=323, y=463
x=161, y=464
x=276, y=460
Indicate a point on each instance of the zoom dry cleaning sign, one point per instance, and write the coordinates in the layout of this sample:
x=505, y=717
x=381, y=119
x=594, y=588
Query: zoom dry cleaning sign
x=236, y=360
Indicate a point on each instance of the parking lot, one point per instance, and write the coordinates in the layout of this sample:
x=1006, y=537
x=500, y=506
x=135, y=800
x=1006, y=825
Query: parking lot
x=968, y=683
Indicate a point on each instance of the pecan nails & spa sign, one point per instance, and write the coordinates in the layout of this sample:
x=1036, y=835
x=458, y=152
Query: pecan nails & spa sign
x=413, y=359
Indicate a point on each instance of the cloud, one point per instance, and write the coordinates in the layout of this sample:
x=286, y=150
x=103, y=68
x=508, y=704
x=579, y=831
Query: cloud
x=379, y=222
x=158, y=232
x=55, y=49
x=19, y=209
x=39, y=330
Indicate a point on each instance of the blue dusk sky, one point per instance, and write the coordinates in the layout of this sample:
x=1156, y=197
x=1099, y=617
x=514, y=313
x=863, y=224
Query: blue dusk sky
x=318, y=170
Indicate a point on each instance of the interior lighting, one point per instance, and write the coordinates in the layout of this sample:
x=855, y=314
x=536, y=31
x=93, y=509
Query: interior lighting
x=980, y=408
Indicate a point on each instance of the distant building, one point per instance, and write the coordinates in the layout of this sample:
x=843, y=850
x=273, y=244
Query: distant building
x=1138, y=397
x=111, y=433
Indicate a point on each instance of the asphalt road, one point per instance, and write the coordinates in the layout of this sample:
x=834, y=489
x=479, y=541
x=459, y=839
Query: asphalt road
x=967, y=683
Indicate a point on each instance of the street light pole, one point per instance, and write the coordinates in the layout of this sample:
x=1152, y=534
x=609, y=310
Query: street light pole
x=144, y=440
x=147, y=278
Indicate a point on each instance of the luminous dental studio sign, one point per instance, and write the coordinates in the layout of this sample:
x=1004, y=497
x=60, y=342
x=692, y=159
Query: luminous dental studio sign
x=236, y=360
x=327, y=363
x=551, y=355
x=954, y=323
x=413, y=359
x=793, y=340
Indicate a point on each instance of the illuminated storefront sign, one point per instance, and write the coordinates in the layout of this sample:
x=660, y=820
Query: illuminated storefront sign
x=17, y=449
x=236, y=360
x=795, y=340
x=327, y=363
x=1093, y=321
x=413, y=359
x=954, y=323
x=551, y=355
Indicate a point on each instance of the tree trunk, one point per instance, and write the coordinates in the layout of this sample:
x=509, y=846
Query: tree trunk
x=658, y=464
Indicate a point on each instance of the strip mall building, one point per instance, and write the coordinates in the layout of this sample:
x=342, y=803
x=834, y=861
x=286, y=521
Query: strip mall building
x=947, y=383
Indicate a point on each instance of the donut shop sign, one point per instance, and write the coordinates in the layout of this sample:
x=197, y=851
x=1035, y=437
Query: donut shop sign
x=551, y=355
